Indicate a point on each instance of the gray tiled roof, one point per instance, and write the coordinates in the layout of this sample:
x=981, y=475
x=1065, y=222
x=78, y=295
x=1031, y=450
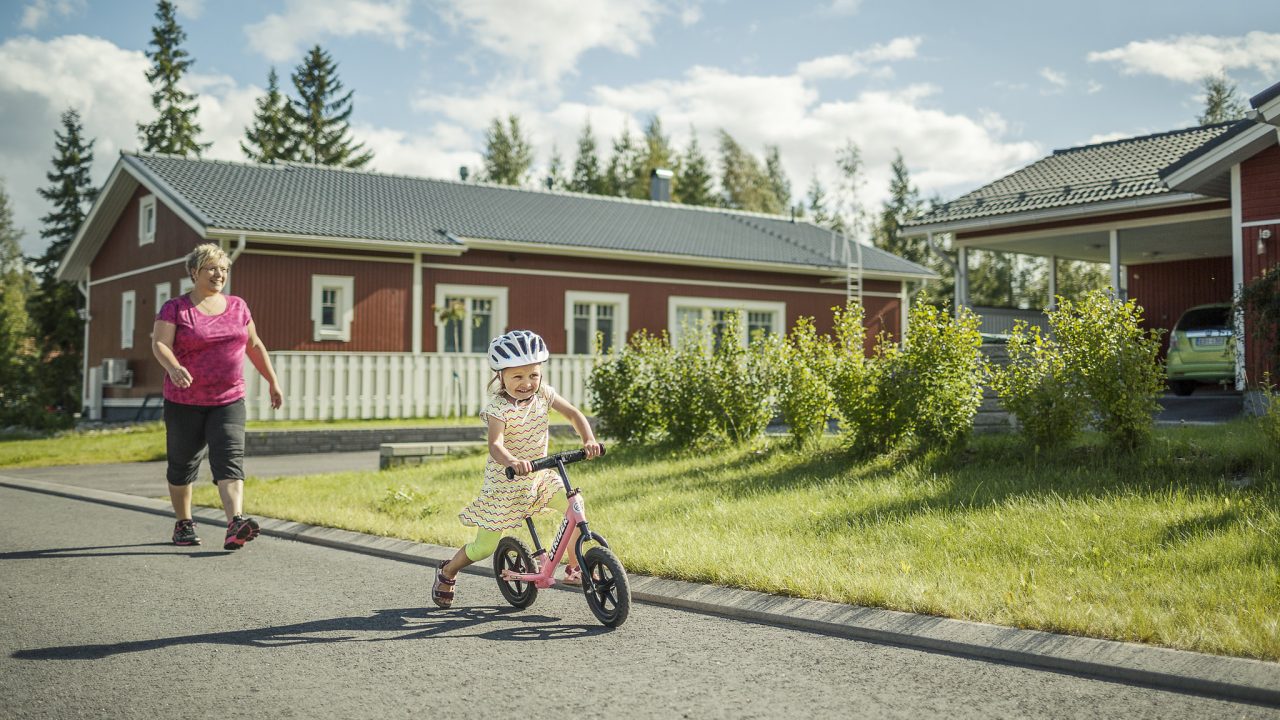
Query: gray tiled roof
x=299, y=199
x=1116, y=170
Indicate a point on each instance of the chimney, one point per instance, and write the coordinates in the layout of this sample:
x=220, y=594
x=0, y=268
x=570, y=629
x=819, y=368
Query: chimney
x=660, y=185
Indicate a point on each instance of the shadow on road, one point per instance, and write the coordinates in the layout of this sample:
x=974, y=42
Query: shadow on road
x=408, y=623
x=82, y=552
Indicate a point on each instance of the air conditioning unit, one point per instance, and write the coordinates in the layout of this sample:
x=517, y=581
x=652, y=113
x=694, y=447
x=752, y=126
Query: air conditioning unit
x=115, y=371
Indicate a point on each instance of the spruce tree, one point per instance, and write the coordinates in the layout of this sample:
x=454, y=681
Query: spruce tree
x=1220, y=101
x=508, y=154
x=743, y=181
x=816, y=203
x=777, y=177
x=319, y=115
x=693, y=181
x=902, y=204
x=174, y=130
x=622, y=175
x=57, y=326
x=587, y=177
x=655, y=154
x=555, y=171
x=270, y=138
x=16, y=348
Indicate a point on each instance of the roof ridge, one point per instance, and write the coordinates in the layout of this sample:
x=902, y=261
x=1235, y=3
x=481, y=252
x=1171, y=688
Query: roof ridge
x=471, y=183
x=1137, y=138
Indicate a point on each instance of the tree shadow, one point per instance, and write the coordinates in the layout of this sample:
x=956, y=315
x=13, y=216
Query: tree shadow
x=72, y=552
x=406, y=623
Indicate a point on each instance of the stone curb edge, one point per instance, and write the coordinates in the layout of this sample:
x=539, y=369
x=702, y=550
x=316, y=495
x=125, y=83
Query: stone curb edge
x=1238, y=679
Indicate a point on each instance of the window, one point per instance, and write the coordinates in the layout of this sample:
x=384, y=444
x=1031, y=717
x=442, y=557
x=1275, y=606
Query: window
x=147, y=220
x=587, y=314
x=332, y=307
x=184, y=285
x=164, y=291
x=128, y=307
x=690, y=314
x=469, y=316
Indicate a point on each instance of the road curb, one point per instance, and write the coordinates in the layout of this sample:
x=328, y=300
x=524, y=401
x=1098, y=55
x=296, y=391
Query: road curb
x=1238, y=679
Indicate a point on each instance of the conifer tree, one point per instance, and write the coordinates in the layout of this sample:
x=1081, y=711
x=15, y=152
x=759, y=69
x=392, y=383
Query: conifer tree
x=902, y=204
x=319, y=115
x=655, y=154
x=174, y=131
x=777, y=177
x=555, y=171
x=744, y=183
x=587, y=177
x=623, y=172
x=1221, y=103
x=270, y=138
x=508, y=154
x=816, y=203
x=693, y=181
x=57, y=326
x=15, y=326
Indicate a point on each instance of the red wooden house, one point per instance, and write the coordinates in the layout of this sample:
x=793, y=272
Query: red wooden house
x=1183, y=218
x=346, y=272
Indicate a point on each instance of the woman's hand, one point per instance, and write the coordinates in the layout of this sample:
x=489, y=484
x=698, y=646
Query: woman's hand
x=180, y=377
x=593, y=449
x=277, y=397
x=521, y=467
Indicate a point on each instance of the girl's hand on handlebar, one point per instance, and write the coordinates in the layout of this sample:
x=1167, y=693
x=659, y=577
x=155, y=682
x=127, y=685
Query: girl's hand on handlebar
x=521, y=467
x=593, y=449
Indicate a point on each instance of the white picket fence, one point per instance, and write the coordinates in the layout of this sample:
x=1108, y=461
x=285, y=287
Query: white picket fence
x=338, y=386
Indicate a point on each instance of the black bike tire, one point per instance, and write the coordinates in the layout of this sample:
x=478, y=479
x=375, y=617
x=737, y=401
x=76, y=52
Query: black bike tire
x=609, y=592
x=513, y=554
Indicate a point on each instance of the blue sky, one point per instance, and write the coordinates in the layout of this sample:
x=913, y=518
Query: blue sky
x=967, y=91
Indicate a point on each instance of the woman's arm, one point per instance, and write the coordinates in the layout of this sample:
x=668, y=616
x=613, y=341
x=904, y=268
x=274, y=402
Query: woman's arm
x=257, y=353
x=579, y=422
x=162, y=347
x=498, y=450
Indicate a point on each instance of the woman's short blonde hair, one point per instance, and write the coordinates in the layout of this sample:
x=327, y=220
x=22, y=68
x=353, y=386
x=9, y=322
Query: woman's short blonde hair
x=203, y=255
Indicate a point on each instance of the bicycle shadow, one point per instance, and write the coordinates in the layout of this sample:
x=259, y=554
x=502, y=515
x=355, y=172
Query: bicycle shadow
x=73, y=552
x=406, y=623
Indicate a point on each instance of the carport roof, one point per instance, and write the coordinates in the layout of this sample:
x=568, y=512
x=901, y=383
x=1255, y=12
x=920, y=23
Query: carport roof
x=1113, y=171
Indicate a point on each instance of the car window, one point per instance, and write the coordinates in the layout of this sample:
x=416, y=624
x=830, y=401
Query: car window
x=1210, y=318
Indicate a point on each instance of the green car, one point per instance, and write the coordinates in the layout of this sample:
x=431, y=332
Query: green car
x=1202, y=348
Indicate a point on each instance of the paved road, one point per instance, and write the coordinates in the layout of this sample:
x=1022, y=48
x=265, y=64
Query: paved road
x=103, y=619
x=1208, y=404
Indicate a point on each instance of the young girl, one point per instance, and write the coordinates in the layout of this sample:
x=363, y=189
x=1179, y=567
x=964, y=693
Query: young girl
x=518, y=418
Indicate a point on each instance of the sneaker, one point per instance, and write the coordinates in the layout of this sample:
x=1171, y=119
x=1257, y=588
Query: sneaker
x=184, y=533
x=240, y=530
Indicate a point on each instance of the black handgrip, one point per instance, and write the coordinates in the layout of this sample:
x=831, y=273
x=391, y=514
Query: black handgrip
x=568, y=456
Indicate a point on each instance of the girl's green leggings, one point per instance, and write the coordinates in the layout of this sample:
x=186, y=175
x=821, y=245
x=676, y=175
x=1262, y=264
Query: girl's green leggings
x=487, y=540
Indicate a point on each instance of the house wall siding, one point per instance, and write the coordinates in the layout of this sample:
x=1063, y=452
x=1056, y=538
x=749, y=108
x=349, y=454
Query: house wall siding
x=1260, y=202
x=104, y=335
x=1260, y=186
x=121, y=252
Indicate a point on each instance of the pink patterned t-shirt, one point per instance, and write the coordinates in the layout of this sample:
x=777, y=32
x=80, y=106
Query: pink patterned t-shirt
x=211, y=348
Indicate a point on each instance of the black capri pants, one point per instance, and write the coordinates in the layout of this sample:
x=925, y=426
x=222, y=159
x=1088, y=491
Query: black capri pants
x=189, y=429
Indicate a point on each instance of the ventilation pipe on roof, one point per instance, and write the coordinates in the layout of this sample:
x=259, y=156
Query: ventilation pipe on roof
x=660, y=185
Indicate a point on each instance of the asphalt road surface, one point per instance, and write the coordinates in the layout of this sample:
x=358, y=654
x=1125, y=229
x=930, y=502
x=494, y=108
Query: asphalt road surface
x=102, y=618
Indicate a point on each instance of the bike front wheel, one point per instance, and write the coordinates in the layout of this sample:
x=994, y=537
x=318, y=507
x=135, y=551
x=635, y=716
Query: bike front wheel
x=513, y=555
x=606, y=587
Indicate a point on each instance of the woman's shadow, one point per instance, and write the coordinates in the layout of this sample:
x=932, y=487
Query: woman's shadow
x=405, y=623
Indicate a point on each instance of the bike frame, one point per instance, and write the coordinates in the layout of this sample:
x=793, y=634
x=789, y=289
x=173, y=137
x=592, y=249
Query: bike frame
x=575, y=515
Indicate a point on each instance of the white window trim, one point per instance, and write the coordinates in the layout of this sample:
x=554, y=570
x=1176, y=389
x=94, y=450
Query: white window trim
x=146, y=237
x=497, y=293
x=620, y=326
x=164, y=293
x=128, y=318
x=674, y=302
x=185, y=285
x=345, y=285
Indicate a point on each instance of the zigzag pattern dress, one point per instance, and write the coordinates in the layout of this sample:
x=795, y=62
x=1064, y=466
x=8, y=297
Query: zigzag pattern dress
x=504, y=504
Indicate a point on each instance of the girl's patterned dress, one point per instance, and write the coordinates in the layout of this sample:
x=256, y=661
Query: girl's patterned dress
x=504, y=504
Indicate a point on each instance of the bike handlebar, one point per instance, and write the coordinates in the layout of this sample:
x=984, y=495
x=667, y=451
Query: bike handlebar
x=567, y=457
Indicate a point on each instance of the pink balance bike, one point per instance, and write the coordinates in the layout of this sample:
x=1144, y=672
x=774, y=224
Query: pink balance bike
x=520, y=573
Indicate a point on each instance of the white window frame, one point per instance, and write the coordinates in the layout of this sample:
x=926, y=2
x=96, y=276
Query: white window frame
x=185, y=285
x=496, y=293
x=620, y=301
x=146, y=208
x=164, y=293
x=675, y=302
x=345, y=286
x=128, y=317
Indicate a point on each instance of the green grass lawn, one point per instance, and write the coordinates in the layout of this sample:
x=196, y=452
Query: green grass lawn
x=1178, y=545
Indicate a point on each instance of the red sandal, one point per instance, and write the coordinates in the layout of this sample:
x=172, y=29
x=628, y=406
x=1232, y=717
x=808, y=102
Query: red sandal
x=572, y=575
x=441, y=596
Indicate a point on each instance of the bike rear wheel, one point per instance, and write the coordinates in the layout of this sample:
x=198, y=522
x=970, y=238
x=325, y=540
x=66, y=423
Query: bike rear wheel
x=608, y=591
x=514, y=555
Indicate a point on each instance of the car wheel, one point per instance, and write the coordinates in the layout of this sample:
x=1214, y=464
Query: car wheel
x=1182, y=388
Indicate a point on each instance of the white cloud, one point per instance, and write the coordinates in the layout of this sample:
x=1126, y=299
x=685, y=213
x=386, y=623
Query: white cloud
x=856, y=63
x=1055, y=78
x=36, y=13
x=1189, y=58
x=1108, y=137
x=549, y=36
x=1094, y=87
x=690, y=14
x=282, y=37
x=190, y=8
x=844, y=7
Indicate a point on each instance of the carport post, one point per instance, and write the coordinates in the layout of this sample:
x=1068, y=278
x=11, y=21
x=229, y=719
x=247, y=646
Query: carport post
x=1237, y=270
x=962, y=277
x=1053, y=282
x=1115, y=264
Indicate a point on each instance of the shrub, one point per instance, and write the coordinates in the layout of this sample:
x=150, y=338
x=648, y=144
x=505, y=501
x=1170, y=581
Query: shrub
x=685, y=389
x=1037, y=388
x=742, y=382
x=1115, y=362
x=806, y=365
x=1269, y=417
x=624, y=390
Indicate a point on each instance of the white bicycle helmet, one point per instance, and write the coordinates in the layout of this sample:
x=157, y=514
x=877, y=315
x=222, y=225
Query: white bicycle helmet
x=516, y=348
